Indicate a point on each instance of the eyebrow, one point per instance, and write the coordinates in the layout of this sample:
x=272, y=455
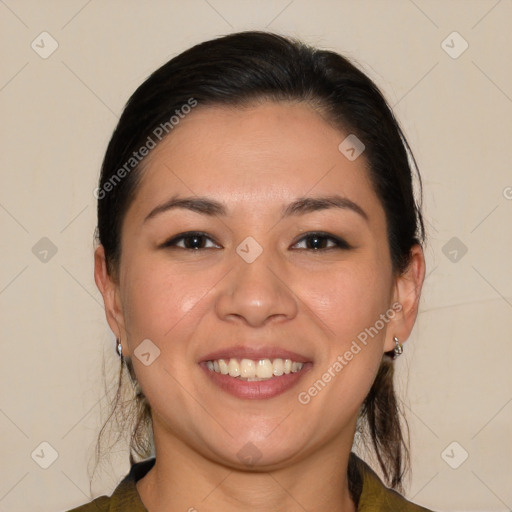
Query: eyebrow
x=300, y=206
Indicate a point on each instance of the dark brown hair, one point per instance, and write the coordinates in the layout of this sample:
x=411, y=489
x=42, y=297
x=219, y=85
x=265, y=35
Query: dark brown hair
x=240, y=69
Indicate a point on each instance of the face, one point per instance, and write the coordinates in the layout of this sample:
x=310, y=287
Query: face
x=279, y=251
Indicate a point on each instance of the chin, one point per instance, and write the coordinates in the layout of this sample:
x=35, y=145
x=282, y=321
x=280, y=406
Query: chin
x=257, y=453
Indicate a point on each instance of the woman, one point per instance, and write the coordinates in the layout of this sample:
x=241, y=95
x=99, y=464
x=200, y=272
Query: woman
x=261, y=265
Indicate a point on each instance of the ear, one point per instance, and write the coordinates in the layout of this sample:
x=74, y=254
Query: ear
x=406, y=294
x=109, y=289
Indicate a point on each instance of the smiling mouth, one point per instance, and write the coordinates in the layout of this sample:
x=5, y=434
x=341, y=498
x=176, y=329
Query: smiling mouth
x=254, y=370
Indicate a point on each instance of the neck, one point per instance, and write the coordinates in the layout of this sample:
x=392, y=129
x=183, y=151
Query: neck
x=183, y=479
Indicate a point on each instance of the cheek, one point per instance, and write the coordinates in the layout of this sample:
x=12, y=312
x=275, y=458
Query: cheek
x=164, y=302
x=350, y=303
x=349, y=299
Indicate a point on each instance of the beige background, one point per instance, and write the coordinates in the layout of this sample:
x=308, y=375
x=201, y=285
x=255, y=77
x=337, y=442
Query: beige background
x=57, y=116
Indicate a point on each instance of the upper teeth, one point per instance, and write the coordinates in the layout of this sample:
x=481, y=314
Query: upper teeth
x=249, y=369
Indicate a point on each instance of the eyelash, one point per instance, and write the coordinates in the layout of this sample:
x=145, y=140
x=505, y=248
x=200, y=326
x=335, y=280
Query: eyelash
x=339, y=242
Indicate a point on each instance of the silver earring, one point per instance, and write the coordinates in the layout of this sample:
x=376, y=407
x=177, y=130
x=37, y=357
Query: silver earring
x=398, y=350
x=119, y=347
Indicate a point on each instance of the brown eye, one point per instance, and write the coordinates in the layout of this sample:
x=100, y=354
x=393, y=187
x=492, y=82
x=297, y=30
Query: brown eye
x=191, y=241
x=321, y=241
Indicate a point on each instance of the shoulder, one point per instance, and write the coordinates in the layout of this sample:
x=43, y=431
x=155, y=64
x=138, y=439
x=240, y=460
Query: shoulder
x=125, y=496
x=101, y=504
x=375, y=496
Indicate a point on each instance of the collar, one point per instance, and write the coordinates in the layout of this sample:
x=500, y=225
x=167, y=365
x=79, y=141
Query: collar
x=374, y=495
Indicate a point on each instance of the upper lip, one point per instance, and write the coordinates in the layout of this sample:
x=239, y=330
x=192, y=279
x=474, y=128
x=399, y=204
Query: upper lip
x=249, y=352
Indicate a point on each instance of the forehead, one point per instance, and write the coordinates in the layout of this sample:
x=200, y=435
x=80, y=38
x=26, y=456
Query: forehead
x=269, y=154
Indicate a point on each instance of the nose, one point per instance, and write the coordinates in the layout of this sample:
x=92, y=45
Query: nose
x=257, y=293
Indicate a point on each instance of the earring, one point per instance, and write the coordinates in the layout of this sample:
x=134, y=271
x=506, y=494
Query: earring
x=398, y=350
x=119, y=347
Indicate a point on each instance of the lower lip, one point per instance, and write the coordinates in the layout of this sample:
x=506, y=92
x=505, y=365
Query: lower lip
x=255, y=390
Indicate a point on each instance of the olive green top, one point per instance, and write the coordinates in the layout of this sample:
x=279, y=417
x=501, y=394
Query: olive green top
x=373, y=497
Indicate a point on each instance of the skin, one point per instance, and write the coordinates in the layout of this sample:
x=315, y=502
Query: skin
x=255, y=161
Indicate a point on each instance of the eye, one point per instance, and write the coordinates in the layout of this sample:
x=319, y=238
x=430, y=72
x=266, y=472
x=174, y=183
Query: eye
x=320, y=241
x=196, y=240
x=191, y=240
